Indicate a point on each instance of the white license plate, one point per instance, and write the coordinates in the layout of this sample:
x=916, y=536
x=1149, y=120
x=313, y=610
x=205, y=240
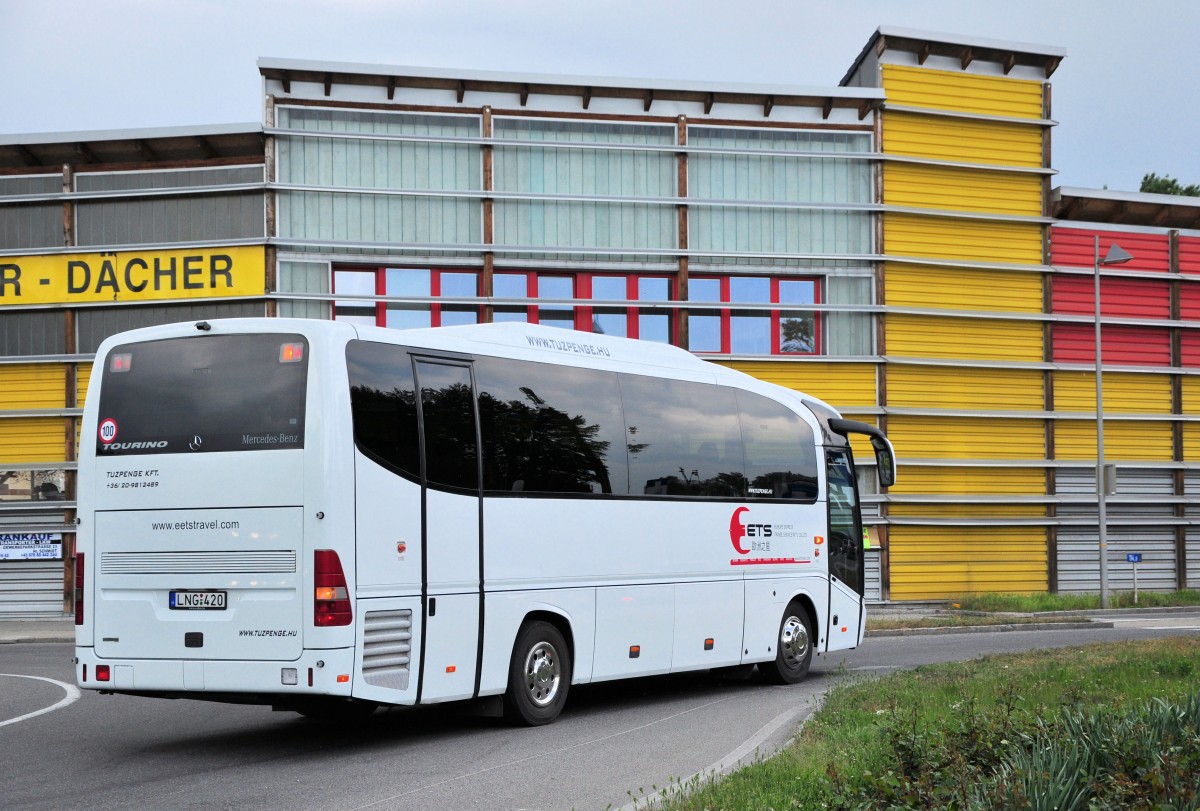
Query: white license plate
x=202, y=600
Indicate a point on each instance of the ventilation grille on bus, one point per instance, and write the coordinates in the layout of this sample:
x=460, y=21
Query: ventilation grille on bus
x=272, y=562
x=387, y=648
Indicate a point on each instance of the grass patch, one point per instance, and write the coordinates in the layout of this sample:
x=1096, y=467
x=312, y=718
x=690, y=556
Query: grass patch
x=1029, y=603
x=955, y=620
x=1115, y=725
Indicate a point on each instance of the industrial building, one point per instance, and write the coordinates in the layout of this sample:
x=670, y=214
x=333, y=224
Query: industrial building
x=895, y=245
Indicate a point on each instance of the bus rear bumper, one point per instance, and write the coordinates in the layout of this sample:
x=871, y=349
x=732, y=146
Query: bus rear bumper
x=325, y=672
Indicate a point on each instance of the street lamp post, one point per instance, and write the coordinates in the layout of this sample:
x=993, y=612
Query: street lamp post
x=1115, y=256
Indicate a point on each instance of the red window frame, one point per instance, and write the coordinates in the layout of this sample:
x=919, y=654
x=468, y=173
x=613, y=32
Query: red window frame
x=381, y=307
x=725, y=313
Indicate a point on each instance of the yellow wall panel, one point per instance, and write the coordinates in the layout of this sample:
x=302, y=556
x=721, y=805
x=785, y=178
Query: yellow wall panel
x=974, y=481
x=82, y=376
x=930, y=563
x=1191, y=442
x=948, y=387
x=1123, y=440
x=938, y=511
x=841, y=385
x=1124, y=392
x=966, y=438
x=922, y=336
x=946, y=139
x=1191, y=395
x=32, y=385
x=33, y=439
x=957, y=189
x=968, y=240
x=909, y=86
x=962, y=289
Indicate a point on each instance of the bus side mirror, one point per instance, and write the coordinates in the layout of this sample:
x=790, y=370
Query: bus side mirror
x=886, y=465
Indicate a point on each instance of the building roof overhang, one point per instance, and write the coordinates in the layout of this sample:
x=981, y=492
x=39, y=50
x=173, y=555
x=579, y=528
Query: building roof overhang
x=463, y=82
x=1125, y=208
x=118, y=147
x=965, y=49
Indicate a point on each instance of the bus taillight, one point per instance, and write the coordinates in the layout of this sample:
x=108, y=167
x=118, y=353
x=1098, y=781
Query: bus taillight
x=331, y=605
x=79, y=588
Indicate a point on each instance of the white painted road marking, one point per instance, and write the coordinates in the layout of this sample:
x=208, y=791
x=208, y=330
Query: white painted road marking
x=71, y=690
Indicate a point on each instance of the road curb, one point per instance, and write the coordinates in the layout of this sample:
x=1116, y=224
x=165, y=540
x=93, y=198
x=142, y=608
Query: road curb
x=12, y=640
x=983, y=629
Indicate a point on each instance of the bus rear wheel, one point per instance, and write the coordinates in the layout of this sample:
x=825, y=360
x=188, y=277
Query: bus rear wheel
x=539, y=675
x=794, y=648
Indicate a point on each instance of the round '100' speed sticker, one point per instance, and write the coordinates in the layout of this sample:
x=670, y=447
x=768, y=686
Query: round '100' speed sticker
x=108, y=430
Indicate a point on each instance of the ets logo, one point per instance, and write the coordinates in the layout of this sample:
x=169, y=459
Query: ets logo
x=747, y=538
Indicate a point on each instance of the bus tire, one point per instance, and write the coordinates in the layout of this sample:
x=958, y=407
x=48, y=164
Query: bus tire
x=794, y=648
x=539, y=675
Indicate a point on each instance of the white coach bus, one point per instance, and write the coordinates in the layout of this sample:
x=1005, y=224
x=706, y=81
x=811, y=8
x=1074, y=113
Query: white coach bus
x=324, y=517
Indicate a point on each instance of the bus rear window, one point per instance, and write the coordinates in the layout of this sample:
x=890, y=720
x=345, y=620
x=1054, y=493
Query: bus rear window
x=203, y=394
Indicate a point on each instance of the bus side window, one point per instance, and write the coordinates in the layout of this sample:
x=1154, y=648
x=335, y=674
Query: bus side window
x=383, y=403
x=550, y=429
x=683, y=438
x=781, y=457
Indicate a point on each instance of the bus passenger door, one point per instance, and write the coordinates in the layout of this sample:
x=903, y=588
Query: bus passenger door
x=452, y=579
x=846, y=559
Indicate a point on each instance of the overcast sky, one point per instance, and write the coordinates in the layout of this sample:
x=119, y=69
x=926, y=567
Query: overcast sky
x=1124, y=95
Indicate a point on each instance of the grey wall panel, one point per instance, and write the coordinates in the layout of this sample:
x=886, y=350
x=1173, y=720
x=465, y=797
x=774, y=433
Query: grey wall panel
x=158, y=220
x=30, y=184
x=169, y=179
x=31, y=588
x=94, y=325
x=1193, y=558
x=873, y=591
x=31, y=225
x=1078, y=559
x=36, y=332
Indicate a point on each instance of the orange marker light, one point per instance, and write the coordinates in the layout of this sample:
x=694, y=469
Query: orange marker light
x=818, y=540
x=451, y=668
x=343, y=678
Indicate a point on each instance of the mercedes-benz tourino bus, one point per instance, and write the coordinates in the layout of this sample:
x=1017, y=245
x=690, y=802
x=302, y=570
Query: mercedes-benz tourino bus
x=325, y=517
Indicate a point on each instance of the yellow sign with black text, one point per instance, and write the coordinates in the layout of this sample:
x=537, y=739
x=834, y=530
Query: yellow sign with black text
x=183, y=273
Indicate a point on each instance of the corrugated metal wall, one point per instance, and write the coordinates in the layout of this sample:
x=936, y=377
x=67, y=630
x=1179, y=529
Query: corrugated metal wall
x=948, y=535
x=31, y=588
x=34, y=225
x=1141, y=519
x=41, y=399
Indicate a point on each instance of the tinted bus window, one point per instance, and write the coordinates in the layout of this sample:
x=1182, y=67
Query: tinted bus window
x=683, y=438
x=202, y=394
x=448, y=419
x=781, y=457
x=550, y=429
x=384, y=405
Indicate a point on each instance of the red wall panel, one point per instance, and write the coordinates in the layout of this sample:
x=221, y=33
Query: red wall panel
x=1189, y=348
x=1127, y=298
x=1121, y=346
x=1189, y=254
x=1073, y=247
x=1189, y=302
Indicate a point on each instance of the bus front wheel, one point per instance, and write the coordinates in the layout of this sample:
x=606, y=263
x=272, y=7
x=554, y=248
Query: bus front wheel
x=539, y=675
x=794, y=648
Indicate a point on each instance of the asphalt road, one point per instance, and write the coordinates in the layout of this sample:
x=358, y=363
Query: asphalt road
x=613, y=744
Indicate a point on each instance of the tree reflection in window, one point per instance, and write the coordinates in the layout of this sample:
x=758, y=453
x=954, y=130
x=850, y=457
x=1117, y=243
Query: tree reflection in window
x=550, y=429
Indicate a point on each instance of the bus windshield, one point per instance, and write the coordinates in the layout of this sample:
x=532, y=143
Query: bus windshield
x=202, y=394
